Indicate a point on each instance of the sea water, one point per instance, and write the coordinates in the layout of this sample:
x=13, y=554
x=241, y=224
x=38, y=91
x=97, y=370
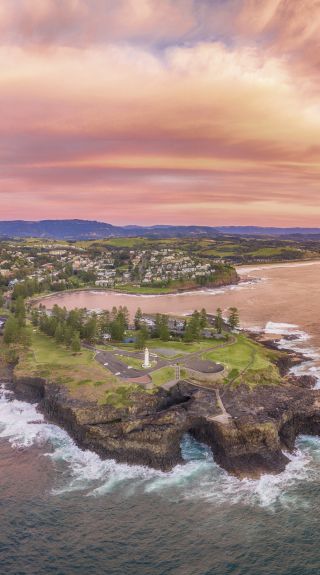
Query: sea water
x=65, y=511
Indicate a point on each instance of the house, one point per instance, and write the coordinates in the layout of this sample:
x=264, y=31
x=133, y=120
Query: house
x=3, y=320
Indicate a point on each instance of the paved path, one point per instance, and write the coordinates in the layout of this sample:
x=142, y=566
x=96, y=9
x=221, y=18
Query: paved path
x=224, y=417
x=109, y=359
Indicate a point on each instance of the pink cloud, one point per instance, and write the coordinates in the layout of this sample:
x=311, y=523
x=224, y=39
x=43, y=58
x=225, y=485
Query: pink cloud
x=97, y=121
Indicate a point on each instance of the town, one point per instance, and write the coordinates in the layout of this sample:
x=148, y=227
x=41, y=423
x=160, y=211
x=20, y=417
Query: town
x=56, y=266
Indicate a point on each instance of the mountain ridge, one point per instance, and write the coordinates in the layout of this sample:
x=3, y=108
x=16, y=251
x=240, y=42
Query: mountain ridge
x=73, y=229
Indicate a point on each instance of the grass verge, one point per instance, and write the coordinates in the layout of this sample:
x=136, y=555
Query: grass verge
x=247, y=362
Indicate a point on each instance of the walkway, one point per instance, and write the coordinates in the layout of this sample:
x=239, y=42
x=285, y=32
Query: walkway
x=109, y=359
x=224, y=417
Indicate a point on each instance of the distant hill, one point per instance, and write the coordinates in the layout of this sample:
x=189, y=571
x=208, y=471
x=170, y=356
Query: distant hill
x=85, y=229
x=264, y=231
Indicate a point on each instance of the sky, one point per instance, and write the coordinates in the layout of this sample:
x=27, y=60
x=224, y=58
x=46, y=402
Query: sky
x=161, y=111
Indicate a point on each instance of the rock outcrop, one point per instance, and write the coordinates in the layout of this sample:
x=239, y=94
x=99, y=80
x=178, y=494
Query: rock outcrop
x=260, y=424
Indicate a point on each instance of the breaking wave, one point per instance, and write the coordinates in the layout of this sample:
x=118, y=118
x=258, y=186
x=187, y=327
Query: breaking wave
x=199, y=477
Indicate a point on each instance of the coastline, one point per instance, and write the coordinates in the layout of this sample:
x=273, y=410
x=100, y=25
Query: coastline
x=250, y=444
x=277, y=429
x=241, y=270
x=182, y=291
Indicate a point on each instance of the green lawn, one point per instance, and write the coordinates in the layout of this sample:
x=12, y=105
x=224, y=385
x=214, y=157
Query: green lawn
x=125, y=242
x=133, y=361
x=219, y=253
x=280, y=251
x=183, y=346
x=245, y=354
x=163, y=375
x=143, y=290
x=80, y=373
x=180, y=347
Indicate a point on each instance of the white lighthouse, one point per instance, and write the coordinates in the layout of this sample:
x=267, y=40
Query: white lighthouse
x=146, y=362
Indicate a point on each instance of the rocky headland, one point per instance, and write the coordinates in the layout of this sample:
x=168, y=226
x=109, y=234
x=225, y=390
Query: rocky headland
x=248, y=430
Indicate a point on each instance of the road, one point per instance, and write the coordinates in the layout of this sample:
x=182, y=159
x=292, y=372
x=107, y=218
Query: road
x=110, y=361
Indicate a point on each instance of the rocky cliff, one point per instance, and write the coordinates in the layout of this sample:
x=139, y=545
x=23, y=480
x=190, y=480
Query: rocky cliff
x=248, y=441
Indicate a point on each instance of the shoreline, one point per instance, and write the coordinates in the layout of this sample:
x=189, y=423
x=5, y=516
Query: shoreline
x=183, y=291
x=241, y=270
x=274, y=421
x=248, y=445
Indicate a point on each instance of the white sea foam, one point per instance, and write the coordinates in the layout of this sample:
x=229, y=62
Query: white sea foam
x=219, y=487
x=247, y=269
x=282, y=329
x=23, y=426
x=198, y=478
x=297, y=344
x=203, y=479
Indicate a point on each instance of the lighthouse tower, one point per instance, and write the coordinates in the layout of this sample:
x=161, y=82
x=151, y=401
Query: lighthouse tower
x=146, y=362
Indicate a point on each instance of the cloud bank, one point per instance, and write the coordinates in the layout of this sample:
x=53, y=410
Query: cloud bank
x=176, y=111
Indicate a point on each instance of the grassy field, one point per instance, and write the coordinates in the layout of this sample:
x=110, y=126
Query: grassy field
x=133, y=361
x=125, y=242
x=281, y=251
x=247, y=362
x=219, y=253
x=143, y=290
x=181, y=346
x=163, y=375
x=82, y=375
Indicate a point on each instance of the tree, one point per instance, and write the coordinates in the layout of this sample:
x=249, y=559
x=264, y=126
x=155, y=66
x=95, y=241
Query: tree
x=203, y=318
x=60, y=313
x=117, y=329
x=233, y=318
x=137, y=318
x=90, y=329
x=11, y=355
x=68, y=334
x=163, y=328
x=188, y=333
x=104, y=322
x=123, y=317
x=123, y=310
x=59, y=333
x=75, y=319
x=11, y=331
x=157, y=326
x=218, y=321
x=192, y=331
x=75, y=343
x=25, y=337
x=141, y=338
x=20, y=311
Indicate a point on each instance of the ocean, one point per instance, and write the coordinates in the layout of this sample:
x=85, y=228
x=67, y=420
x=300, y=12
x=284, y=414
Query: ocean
x=65, y=511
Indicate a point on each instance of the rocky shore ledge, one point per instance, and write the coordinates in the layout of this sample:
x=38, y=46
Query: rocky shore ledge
x=249, y=439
